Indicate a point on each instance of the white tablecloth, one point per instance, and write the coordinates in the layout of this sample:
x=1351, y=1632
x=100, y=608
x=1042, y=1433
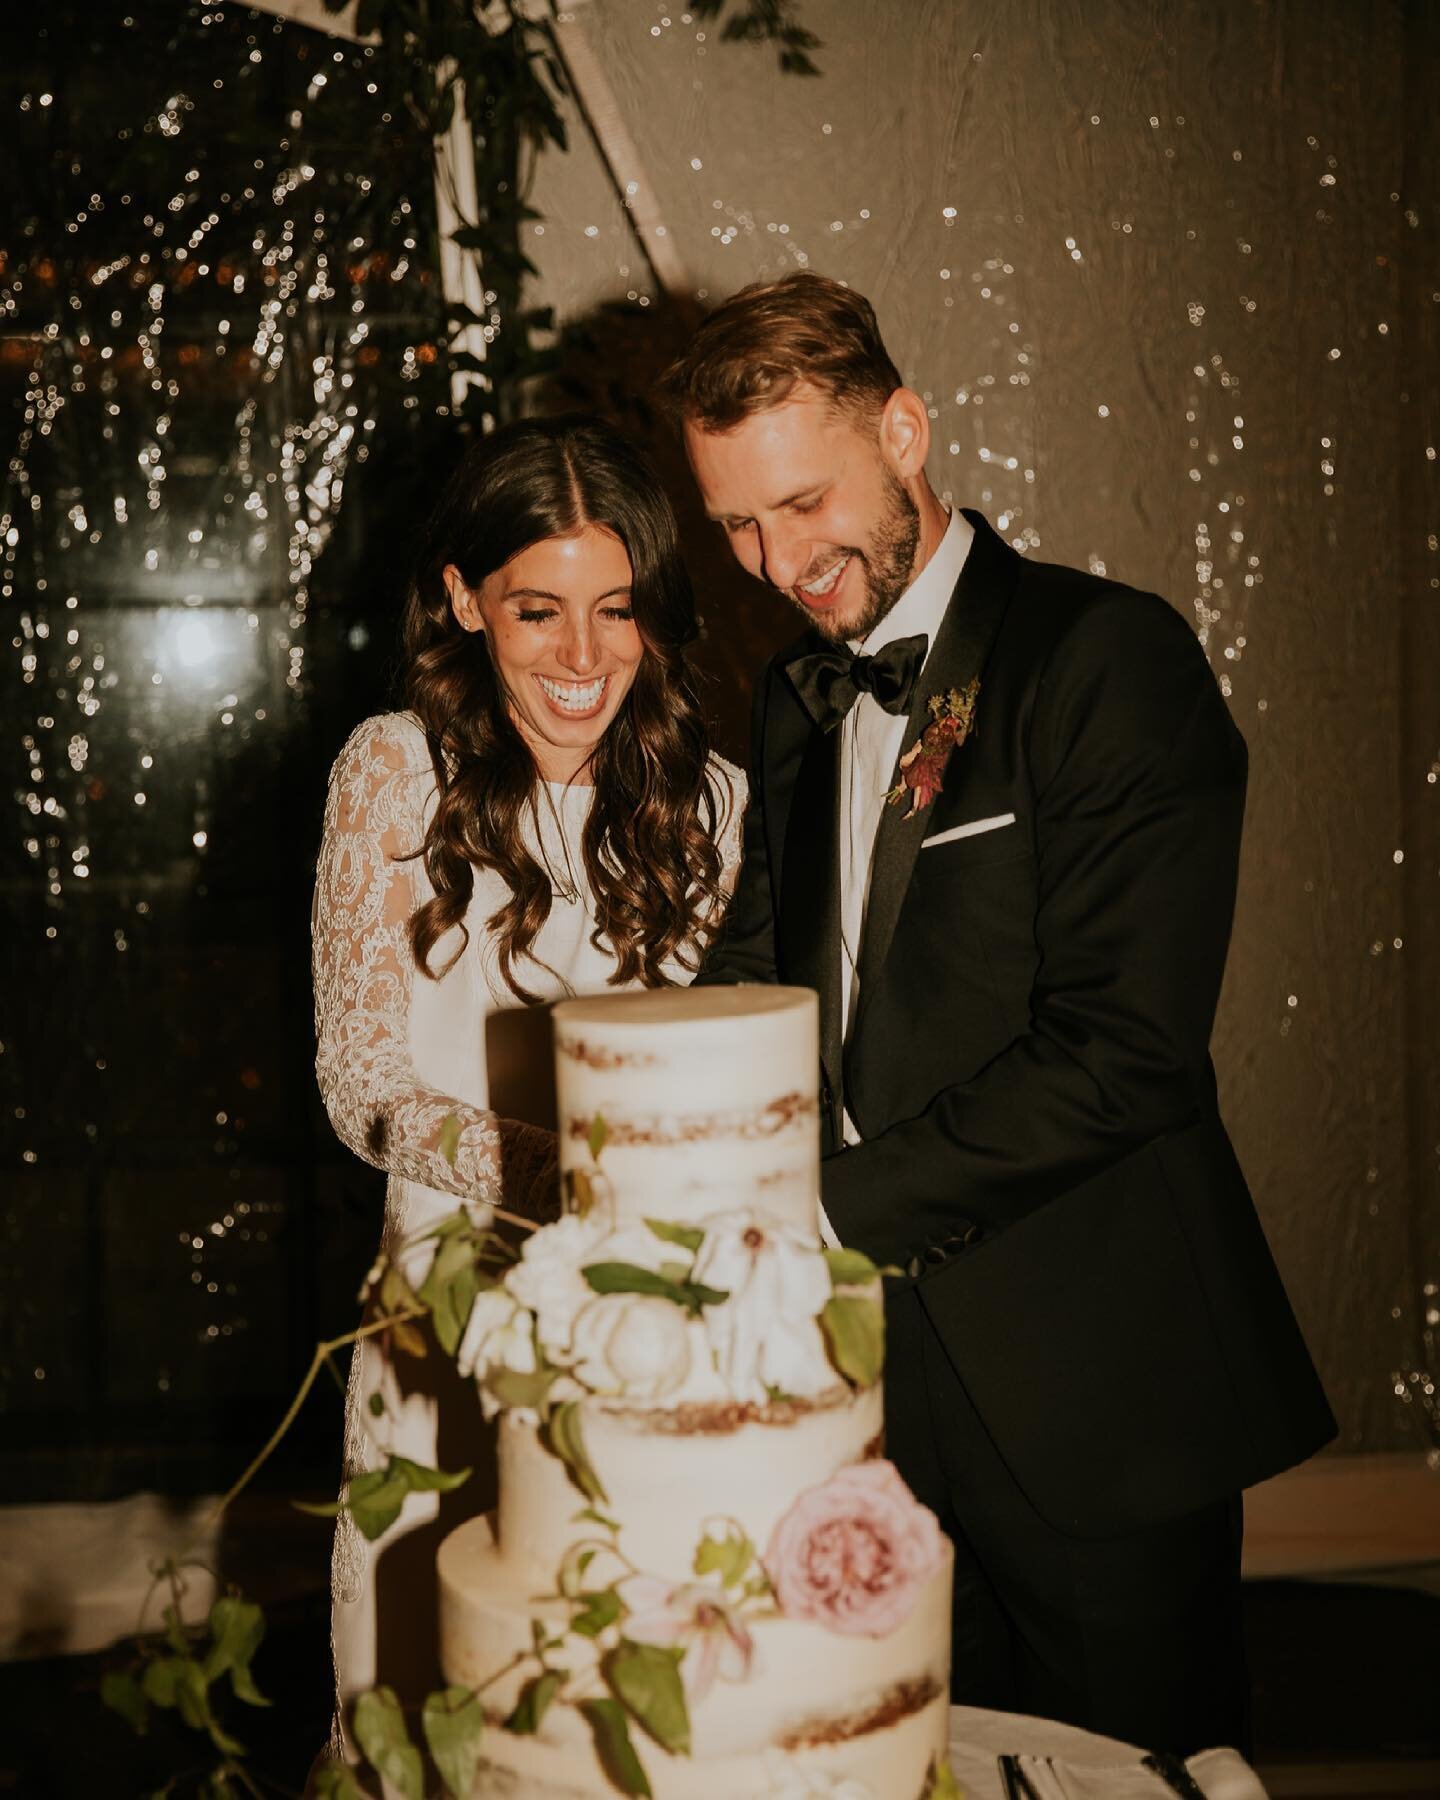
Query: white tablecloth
x=1084, y=1767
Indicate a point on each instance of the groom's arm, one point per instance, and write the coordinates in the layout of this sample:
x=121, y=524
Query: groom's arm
x=1139, y=779
x=744, y=950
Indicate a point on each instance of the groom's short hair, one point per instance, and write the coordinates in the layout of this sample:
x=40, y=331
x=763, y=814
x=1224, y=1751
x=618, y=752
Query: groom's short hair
x=765, y=340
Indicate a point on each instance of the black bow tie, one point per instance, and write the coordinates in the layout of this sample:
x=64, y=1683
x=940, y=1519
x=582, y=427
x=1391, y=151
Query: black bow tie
x=829, y=682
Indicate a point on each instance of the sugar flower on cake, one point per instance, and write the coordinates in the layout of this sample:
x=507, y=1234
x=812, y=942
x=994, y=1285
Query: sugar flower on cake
x=637, y=1345
x=854, y=1553
x=765, y=1334
x=787, y=1782
x=547, y=1279
x=693, y=1615
x=499, y=1333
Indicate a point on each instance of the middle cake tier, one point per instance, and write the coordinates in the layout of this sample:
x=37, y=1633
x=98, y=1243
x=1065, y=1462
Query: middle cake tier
x=667, y=1472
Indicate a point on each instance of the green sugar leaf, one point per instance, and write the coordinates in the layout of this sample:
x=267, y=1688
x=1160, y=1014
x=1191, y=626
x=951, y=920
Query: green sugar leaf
x=607, y=1720
x=453, y=1721
x=854, y=1327
x=601, y=1608
x=729, y=1557
x=645, y=1678
x=850, y=1268
x=381, y=1733
x=534, y=1703
x=599, y=1132
x=568, y=1443
x=631, y=1278
x=513, y=1388
x=689, y=1237
x=449, y=1142
x=449, y=1291
x=943, y=1785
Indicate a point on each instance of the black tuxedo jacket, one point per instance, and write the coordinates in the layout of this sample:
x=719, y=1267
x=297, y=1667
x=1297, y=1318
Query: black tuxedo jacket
x=1028, y=1064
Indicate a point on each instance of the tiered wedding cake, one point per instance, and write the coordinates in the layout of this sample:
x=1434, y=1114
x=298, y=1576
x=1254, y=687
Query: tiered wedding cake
x=702, y=1580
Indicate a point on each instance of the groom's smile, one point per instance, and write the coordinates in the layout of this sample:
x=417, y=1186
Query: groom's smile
x=814, y=502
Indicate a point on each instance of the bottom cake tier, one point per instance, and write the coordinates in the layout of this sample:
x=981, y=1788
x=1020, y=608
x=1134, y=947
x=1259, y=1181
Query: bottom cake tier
x=872, y=1710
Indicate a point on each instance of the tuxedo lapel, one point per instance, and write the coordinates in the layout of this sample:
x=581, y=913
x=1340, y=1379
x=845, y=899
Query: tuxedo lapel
x=972, y=618
x=810, y=884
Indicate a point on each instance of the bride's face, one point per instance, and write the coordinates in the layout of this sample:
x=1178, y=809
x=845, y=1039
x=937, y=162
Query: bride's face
x=563, y=640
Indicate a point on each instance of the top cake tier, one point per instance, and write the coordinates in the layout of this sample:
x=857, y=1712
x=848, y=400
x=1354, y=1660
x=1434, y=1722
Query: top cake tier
x=705, y=1100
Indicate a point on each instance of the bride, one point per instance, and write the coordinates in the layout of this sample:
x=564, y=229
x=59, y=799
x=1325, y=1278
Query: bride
x=545, y=818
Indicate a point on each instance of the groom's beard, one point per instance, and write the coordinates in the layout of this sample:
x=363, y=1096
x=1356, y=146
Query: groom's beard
x=887, y=567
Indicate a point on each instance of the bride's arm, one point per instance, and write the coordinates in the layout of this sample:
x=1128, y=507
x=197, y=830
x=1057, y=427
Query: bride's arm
x=363, y=969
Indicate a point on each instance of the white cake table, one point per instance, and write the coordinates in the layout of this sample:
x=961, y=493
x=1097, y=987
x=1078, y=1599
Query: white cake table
x=1087, y=1767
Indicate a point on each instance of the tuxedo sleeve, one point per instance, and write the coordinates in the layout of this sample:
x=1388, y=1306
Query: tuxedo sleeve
x=1138, y=776
x=744, y=950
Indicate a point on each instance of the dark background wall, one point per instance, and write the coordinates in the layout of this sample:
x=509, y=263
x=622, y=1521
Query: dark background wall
x=1167, y=277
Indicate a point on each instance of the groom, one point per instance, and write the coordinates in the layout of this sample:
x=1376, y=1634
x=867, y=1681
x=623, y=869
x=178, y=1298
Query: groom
x=1017, y=933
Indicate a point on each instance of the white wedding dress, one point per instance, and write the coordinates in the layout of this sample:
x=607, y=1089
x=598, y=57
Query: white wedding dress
x=398, y=1053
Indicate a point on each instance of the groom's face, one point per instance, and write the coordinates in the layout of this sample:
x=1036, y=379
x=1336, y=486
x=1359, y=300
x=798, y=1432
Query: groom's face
x=809, y=503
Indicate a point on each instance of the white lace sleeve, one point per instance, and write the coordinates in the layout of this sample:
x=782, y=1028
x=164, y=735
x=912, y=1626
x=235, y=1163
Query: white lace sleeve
x=364, y=968
x=731, y=791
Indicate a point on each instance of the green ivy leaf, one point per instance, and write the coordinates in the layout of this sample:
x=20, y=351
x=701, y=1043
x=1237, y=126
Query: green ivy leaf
x=602, y=1608
x=336, y=1781
x=599, y=1132
x=160, y=1682
x=381, y=1733
x=689, y=1237
x=236, y=1628
x=453, y=1721
x=175, y=1629
x=850, y=1268
x=568, y=1443
x=376, y=1403
x=449, y=1141
x=729, y=1557
x=449, y=1291
x=395, y=1293
x=645, y=1678
x=854, y=1327
x=534, y=1702
x=373, y=1501
x=122, y=1693
x=617, y=1756
x=425, y=1480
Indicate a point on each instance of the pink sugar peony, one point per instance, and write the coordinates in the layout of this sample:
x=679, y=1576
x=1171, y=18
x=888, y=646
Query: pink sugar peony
x=853, y=1553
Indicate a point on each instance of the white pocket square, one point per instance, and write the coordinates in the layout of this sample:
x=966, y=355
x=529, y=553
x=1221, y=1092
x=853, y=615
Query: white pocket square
x=973, y=829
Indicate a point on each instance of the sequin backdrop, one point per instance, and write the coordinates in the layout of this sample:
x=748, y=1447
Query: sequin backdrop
x=1165, y=275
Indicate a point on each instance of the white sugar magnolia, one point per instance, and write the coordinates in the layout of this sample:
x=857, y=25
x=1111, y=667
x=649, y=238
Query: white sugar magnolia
x=637, y=1345
x=765, y=1334
x=499, y=1333
x=547, y=1278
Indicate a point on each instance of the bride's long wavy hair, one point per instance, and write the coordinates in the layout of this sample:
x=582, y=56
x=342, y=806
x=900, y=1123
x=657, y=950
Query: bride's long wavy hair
x=649, y=841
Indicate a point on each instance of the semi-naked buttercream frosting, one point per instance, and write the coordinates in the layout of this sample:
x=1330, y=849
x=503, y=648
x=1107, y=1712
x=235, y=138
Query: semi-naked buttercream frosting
x=698, y=1544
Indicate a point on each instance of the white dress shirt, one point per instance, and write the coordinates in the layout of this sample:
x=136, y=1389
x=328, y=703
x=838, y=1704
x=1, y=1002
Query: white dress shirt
x=870, y=743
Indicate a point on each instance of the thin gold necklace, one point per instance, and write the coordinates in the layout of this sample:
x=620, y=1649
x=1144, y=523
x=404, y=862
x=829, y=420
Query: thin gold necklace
x=569, y=889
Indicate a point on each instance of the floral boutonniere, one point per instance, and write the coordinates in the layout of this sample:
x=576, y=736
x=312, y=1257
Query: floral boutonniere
x=922, y=767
